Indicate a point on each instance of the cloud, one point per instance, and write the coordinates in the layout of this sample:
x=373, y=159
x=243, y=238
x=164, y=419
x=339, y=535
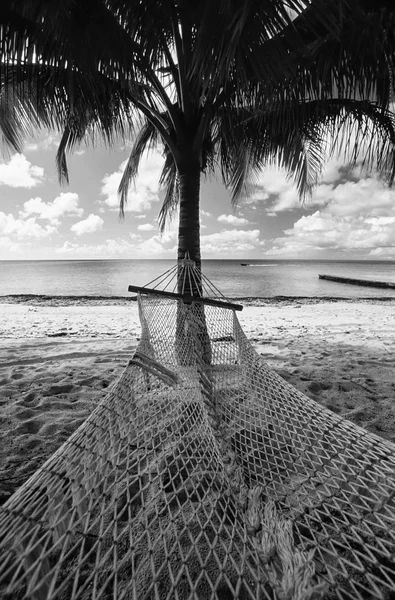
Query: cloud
x=370, y=197
x=271, y=182
x=32, y=147
x=357, y=217
x=205, y=213
x=9, y=245
x=146, y=188
x=119, y=248
x=169, y=236
x=155, y=246
x=277, y=193
x=136, y=237
x=19, y=172
x=146, y=227
x=24, y=229
x=89, y=225
x=44, y=141
x=232, y=220
x=230, y=241
x=134, y=246
x=66, y=204
x=383, y=253
x=27, y=227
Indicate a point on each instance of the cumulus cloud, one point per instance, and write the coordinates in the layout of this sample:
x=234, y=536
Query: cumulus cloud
x=155, y=246
x=277, y=193
x=18, y=172
x=232, y=220
x=37, y=219
x=367, y=197
x=271, y=182
x=146, y=227
x=143, y=193
x=9, y=245
x=24, y=229
x=169, y=236
x=357, y=217
x=383, y=253
x=118, y=248
x=89, y=225
x=43, y=141
x=65, y=204
x=205, y=213
x=31, y=147
x=231, y=241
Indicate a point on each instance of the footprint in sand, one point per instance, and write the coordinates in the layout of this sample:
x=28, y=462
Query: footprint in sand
x=23, y=415
x=60, y=388
x=32, y=426
x=346, y=386
x=29, y=397
x=315, y=387
x=49, y=429
x=54, y=403
x=17, y=376
x=334, y=408
x=32, y=443
x=87, y=382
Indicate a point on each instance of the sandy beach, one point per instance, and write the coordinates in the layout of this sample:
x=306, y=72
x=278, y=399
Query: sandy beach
x=57, y=360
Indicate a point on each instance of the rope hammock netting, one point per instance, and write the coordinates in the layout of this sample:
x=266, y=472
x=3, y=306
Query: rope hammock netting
x=203, y=475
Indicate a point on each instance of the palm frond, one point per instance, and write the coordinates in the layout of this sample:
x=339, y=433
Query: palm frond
x=146, y=138
x=299, y=137
x=231, y=84
x=15, y=125
x=73, y=134
x=169, y=182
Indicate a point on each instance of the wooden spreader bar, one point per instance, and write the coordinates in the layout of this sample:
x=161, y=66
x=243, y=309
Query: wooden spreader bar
x=185, y=298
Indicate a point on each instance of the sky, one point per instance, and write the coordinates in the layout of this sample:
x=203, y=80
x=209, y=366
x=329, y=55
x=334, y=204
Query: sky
x=350, y=216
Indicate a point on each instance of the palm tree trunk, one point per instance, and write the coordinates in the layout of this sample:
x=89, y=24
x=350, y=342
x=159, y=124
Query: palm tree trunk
x=192, y=335
x=189, y=220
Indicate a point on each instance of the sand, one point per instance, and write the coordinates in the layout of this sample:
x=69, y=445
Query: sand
x=58, y=359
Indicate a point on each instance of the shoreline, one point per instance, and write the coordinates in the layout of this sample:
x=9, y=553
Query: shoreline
x=65, y=317
x=57, y=361
x=60, y=300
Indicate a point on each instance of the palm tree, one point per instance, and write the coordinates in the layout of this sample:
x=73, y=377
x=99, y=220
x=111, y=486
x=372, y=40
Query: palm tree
x=219, y=85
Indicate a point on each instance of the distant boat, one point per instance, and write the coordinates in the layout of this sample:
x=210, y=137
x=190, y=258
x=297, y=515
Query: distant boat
x=258, y=265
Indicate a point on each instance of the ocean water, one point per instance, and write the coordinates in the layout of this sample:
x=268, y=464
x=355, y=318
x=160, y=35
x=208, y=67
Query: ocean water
x=260, y=279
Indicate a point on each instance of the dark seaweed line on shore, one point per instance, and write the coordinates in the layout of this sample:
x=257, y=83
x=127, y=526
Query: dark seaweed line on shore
x=37, y=299
x=44, y=300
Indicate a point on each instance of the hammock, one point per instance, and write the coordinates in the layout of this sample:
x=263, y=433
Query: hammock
x=204, y=475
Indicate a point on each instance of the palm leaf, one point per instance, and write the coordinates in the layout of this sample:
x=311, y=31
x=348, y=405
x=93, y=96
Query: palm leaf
x=146, y=138
x=169, y=182
x=231, y=84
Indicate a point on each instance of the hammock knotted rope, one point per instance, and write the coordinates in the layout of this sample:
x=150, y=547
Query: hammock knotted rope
x=203, y=474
